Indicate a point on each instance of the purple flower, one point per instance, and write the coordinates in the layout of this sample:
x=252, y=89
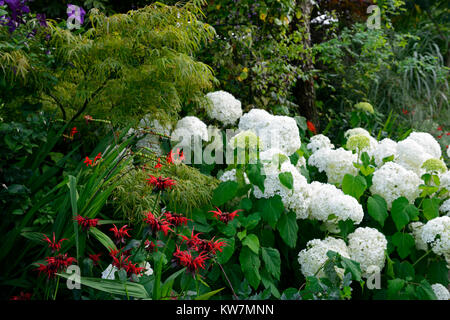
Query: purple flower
x=42, y=19
x=76, y=12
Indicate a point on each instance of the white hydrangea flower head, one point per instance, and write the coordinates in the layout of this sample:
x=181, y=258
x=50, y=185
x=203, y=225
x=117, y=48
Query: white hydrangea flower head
x=392, y=181
x=385, y=148
x=188, y=127
x=445, y=181
x=230, y=175
x=152, y=141
x=411, y=156
x=275, y=131
x=445, y=207
x=314, y=256
x=416, y=232
x=355, y=131
x=427, y=142
x=335, y=163
x=367, y=246
x=440, y=291
x=448, y=152
x=326, y=200
x=223, y=107
x=295, y=199
x=319, y=141
x=436, y=232
x=109, y=272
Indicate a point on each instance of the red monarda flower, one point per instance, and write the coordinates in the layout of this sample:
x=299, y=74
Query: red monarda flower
x=55, y=245
x=311, y=127
x=120, y=234
x=86, y=223
x=192, y=242
x=160, y=183
x=211, y=246
x=55, y=264
x=439, y=128
x=225, y=216
x=97, y=158
x=22, y=296
x=405, y=112
x=176, y=219
x=192, y=264
x=88, y=162
x=95, y=258
x=92, y=163
x=123, y=262
x=157, y=224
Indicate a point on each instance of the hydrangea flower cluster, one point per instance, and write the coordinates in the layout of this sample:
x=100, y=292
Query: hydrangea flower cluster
x=189, y=127
x=436, y=232
x=367, y=246
x=445, y=207
x=392, y=181
x=296, y=199
x=328, y=201
x=223, y=107
x=416, y=232
x=274, y=131
x=385, y=148
x=440, y=291
x=314, y=256
x=319, y=141
x=335, y=163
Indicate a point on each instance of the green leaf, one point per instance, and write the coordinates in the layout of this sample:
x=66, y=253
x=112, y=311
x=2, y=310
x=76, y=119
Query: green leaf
x=405, y=270
x=268, y=283
x=246, y=204
x=288, y=228
x=113, y=286
x=425, y=291
x=377, y=208
x=354, y=186
x=431, y=208
x=272, y=261
x=225, y=192
x=399, y=214
x=250, y=264
x=271, y=209
x=286, y=179
x=251, y=221
x=438, y=273
x=404, y=243
x=208, y=295
x=227, y=251
x=168, y=284
x=394, y=286
x=254, y=174
x=72, y=184
x=252, y=242
x=103, y=238
x=353, y=267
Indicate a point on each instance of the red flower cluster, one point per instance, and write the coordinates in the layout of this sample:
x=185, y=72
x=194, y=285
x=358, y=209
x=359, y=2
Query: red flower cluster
x=22, y=296
x=186, y=259
x=92, y=163
x=157, y=223
x=55, y=264
x=55, y=245
x=158, y=165
x=179, y=156
x=176, y=219
x=160, y=183
x=123, y=262
x=150, y=246
x=311, y=127
x=201, y=245
x=225, y=217
x=95, y=258
x=121, y=233
x=86, y=223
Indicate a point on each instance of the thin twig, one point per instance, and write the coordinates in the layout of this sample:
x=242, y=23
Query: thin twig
x=226, y=277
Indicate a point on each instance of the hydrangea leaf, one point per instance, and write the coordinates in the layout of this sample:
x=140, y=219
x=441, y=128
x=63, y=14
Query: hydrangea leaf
x=254, y=174
x=227, y=251
x=286, y=179
x=252, y=242
x=226, y=191
x=399, y=214
x=431, y=208
x=354, y=186
x=272, y=261
x=288, y=228
x=271, y=209
x=377, y=208
x=404, y=243
x=250, y=264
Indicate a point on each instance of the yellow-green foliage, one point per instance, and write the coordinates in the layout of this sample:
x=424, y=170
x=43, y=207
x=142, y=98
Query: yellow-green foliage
x=133, y=197
x=125, y=66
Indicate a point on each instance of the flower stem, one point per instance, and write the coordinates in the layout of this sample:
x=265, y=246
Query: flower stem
x=56, y=289
x=228, y=280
